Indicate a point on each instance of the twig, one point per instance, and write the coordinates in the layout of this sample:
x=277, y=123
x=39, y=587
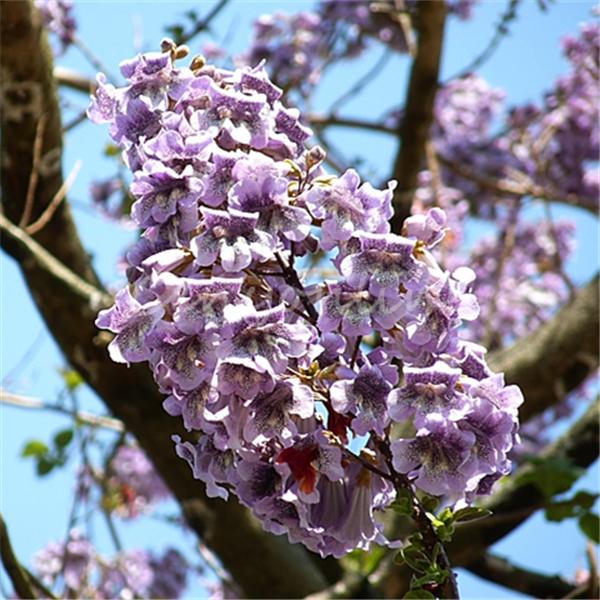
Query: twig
x=80, y=118
x=43, y=219
x=506, y=186
x=322, y=121
x=557, y=257
x=361, y=82
x=205, y=23
x=92, y=58
x=507, y=240
x=590, y=552
x=291, y=278
x=80, y=416
x=501, y=31
x=74, y=80
x=38, y=143
x=28, y=247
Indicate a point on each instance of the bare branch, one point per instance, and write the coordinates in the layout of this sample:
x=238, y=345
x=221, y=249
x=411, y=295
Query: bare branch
x=27, y=251
x=507, y=187
x=204, y=24
x=557, y=357
x=23, y=581
x=499, y=34
x=501, y=571
x=322, y=121
x=75, y=81
x=413, y=129
x=87, y=418
x=60, y=195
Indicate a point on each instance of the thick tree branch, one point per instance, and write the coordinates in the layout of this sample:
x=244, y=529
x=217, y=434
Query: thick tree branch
x=511, y=505
x=263, y=565
x=501, y=571
x=414, y=127
x=557, y=357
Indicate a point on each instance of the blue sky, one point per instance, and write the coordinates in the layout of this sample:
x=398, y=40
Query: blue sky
x=526, y=64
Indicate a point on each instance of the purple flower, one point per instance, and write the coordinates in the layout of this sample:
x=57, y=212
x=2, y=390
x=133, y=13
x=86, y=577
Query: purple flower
x=232, y=238
x=385, y=265
x=365, y=397
x=260, y=341
x=139, y=121
x=133, y=477
x=439, y=457
x=202, y=309
x=432, y=390
x=182, y=360
x=133, y=323
x=272, y=413
x=357, y=312
x=346, y=208
x=213, y=466
x=73, y=558
x=262, y=187
x=191, y=404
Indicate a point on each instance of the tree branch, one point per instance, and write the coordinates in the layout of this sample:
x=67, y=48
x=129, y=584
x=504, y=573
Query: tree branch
x=413, y=129
x=23, y=581
x=81, y=416
x=28, y=253
x=13, y=567
x=270, y=566
x=557, y=357
x=501, y=571
x=74, y=80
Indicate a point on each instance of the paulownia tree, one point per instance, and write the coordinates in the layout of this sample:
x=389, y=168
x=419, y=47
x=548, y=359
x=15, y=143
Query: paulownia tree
x=335, y=381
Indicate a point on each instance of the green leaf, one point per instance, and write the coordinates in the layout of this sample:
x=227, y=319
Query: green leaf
x=415, y=559
x=430, y=503
x=176, y=32
x=44, y=466
x=34, y=448
x=572, y=507
x=63, y=438
x=373, y=559
x=471, y=513
x=419, y=594
x=71, y=378
x=585, y=499
x=434, y=577
x=589, y=523
x=403, y=504
x=551, y=475
x=112, y=150
x=446, y=516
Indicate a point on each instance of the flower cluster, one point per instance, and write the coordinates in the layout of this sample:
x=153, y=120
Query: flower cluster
x=550, y=146
x=294, y=399
x=298, y=47
x=132, y=485
x=130, y=574
x=57, y=17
